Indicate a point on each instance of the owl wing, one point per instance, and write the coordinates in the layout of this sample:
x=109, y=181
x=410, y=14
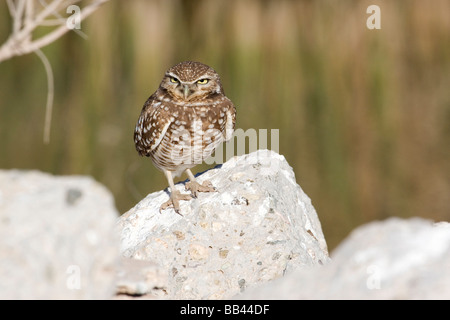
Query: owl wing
x=230, y=120
x=220, y=121
x=151, y=127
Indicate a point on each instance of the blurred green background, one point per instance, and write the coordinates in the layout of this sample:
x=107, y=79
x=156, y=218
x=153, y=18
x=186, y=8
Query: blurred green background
x=364, y=115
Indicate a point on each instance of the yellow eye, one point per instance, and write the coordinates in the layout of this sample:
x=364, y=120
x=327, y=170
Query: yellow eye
x=173, y=80
x=202, y=81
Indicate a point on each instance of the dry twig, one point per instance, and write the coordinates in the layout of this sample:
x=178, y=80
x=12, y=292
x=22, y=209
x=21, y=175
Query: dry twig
x=27, y=16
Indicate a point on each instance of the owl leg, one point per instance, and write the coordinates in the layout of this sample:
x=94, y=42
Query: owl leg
x=196, y=187
x=175, y=195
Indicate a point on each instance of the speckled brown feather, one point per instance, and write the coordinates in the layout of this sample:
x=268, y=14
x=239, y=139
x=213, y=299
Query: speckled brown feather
x=177, y=134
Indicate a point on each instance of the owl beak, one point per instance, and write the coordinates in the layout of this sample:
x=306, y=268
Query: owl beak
x=186, y=90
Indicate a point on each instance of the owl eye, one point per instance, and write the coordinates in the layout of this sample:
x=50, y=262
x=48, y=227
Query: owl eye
x=174, y=80
x=202, y=81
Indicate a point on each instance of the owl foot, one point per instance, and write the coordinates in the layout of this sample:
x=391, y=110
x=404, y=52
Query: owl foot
x=196, y=187
x=174, y=201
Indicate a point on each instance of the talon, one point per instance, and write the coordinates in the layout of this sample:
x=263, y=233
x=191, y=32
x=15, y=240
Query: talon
x=175, y=197
x=209, y=185
x=195, y=187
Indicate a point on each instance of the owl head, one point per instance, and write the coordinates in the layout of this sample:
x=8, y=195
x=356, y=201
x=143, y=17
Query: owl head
x=191, y=81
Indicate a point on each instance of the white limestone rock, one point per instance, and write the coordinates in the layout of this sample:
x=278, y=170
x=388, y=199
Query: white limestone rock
x=391, y=259
x=256, y=228
x=57, y=237
x=140, y=278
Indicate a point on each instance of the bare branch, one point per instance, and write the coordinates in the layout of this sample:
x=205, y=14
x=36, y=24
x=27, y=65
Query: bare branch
x=50, y=95
x=19, y=42
x=11, y=7
x=29, y=12
x=18, y=14
x=51, y=37
x=52, y=22
x=25, y=20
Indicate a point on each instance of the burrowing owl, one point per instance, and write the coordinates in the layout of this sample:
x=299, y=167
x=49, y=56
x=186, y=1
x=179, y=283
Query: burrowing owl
x=182, y=123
